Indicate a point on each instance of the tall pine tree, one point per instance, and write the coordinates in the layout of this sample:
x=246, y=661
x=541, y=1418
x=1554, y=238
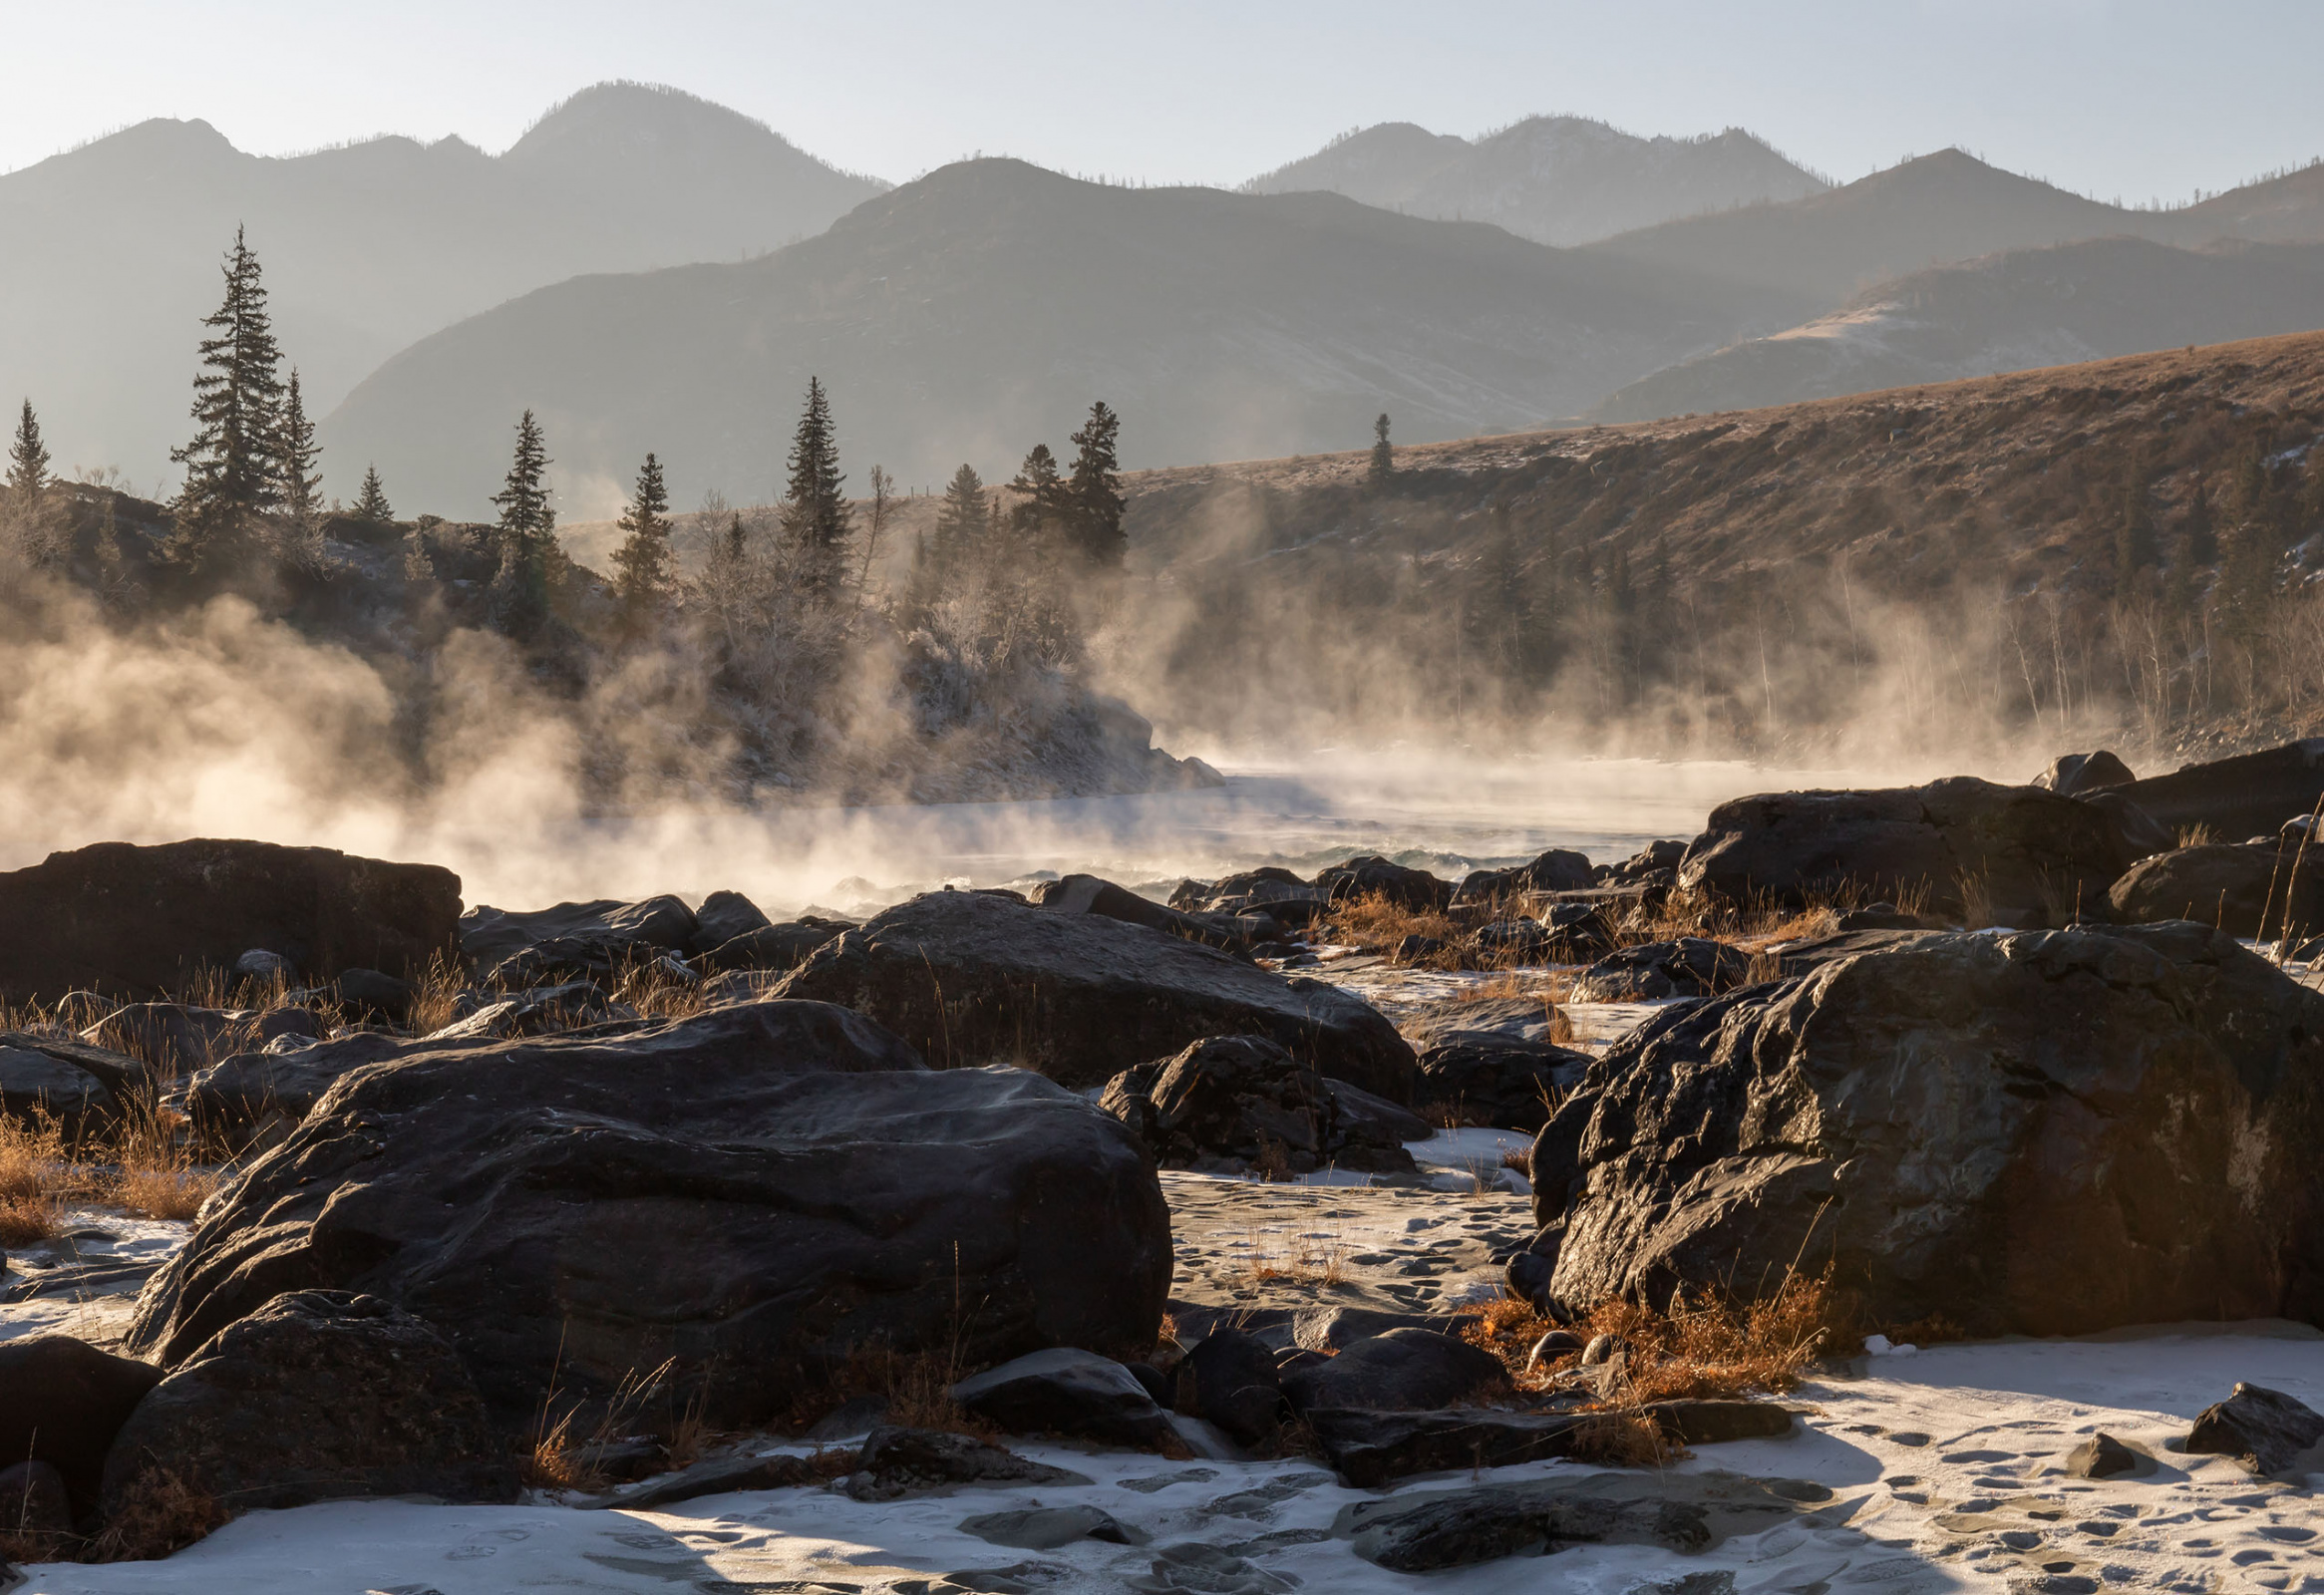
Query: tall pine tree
x=815, y=508
x=302, y=484
x=960, y=529
x=28, y=464
x=1095, y=488
x=527, y=533
x=648, y=569
x=1046, y=500
x=371, y=504
x=233, y=462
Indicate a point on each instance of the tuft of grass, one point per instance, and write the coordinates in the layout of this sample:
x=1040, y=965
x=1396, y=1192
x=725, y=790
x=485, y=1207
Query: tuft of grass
x=155, y=1173
x=36, y=1175
x=160, y=1512
x=1376, y=924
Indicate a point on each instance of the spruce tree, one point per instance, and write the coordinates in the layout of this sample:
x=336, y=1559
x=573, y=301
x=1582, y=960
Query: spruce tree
x=1046, y=500
x=960, y=527
x=814, y=510
x=28, y=465
x=301, y=485
x=648, y=569
x=372, y=503
x=527, y=528
x=1383, y=456
x=234, y=469
x=1095, y=488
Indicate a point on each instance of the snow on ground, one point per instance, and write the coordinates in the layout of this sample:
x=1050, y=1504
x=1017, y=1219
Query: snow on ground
x=1944, y=1464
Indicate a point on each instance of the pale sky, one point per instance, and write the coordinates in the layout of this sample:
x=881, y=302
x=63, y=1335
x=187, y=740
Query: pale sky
x=2133, y=99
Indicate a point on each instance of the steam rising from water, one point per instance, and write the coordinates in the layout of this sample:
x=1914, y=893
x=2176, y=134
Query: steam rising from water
x=222, y=724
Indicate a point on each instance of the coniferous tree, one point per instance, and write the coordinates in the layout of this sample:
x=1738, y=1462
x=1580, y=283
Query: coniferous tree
x=527, y=528
x=1095, y=488
x=28, y=464
x=301, y=485
x=1046, y=498
x=961, y=528
x=814, y=510
x=372, y=503
x=1383, y=456
x=233, y=463
x=648, y=567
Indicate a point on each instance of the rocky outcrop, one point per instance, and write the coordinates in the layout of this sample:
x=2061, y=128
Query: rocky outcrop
x=2015, y=855
x=317, y=1395
x=772, y=947
x=610, y=928
x=1086, y=894
x=2044, y=1133
x=1065, y=1390
x=760, y=1191
x=2076, y=774
x=1245, y=1102
x=143, y=921
x=2232, y=886
x=721, y=917
x=2251, y=795
x=1404, y=1369
x=1559, y=870
x=1502, y=1081
x=973, y=978
x=1655, y=971
x=1371, y=875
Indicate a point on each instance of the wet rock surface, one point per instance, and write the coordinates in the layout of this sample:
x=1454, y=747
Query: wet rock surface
x=1242, y=1102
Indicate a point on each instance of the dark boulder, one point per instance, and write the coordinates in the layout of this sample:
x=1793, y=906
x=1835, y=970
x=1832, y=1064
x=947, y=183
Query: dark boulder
x=1559, y=870
x=1507, y=943
x=60, y=1403
x=719, y=1475
x=2043, y=1132
x=2030, y=855
x=1413, y=949
x=606, y=929
x=1654, y=971
x=1335, y=1328
x=1370, y=1449
x=1813, y=952
x=1458, y=1528
x=2230, y=886
x=896, y=1462
x=1229, y=1380
x=1244, y=1101
x=35, y=1085
x=1415, y=890
x=2247, y=795
x=2078, y=774
x=1270, y=890
x=174, y=1038
x=2101, y=1456
x=34, y=1504
x=760, y=1190
x=537, y=1011
x=1402, y=1370
x=1066, y=1391
x=2265, y=1430
x=774, y=947
x=1086, y=894
x=375, y=994
x=144, y=921
x=722, y=917
x=244, y=1091
x=1506, y=1084
x=1655, y=865
x=317, y=1395
x=970, y=978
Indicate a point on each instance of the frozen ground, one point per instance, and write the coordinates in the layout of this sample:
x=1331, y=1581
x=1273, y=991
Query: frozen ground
x=1942, y=1466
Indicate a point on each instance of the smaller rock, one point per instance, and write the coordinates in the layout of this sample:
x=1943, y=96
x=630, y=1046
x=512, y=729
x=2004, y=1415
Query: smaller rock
x=259, y=964
x=1402, y=1370
x=778, y=949
x=2101, y=1456
x=1044, y=1528
x=1604, y=1349
x=907, y=1461
x=1230, y=1380
x=1066, y=1391
x=719, y=1477
x=372, y=994
x=1335, y=1328
x=2264, y=1429
x=2076, y=774
x=62, y=1400
x=1415, y=890
x=1689, y=966
x=33, y=1501
x=1551, y=1346
x=723, y=916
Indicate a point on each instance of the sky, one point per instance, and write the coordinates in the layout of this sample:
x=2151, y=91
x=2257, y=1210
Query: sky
x=2120, y=99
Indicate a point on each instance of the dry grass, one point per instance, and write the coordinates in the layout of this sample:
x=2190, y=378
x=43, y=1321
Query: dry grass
x=2197, y=834
x=1376, y=924
x=1307, y=1260
x=1714, y=1349
x=436, y=1002
x=34, y=1174
x=656, y=992
x=161, y=1513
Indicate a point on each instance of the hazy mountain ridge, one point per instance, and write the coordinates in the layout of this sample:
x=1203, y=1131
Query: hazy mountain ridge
x=367, y=246
x=1557, y=179
x=979, y=311
x=2018, y=310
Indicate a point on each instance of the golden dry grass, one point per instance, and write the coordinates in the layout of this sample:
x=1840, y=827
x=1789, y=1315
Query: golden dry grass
x=1713, y=1348
x=33, y=1171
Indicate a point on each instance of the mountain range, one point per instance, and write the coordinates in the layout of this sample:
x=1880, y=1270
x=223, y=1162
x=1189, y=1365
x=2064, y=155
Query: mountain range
x=114, y=248
x=648, y=270
x=1554, y=180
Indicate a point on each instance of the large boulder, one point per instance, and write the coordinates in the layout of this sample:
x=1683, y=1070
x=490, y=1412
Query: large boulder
x=2250, y=794
x=1066, y=1391
x=1371, y=875
x=1654, y=971
x=1404, y=1369
x=144, y=921
x=317, y=1395
x=1244, y=1101
x=2018, y=853
x=2043, y=1132
x=34, y=1085
x=758, y=1191
x=1559, y=870
x=721, y=917
x=60, y=1403
x=973, y=978
x=2229, y=886
x=1086, y=894
x=771, y=947
x=1508, y=1083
